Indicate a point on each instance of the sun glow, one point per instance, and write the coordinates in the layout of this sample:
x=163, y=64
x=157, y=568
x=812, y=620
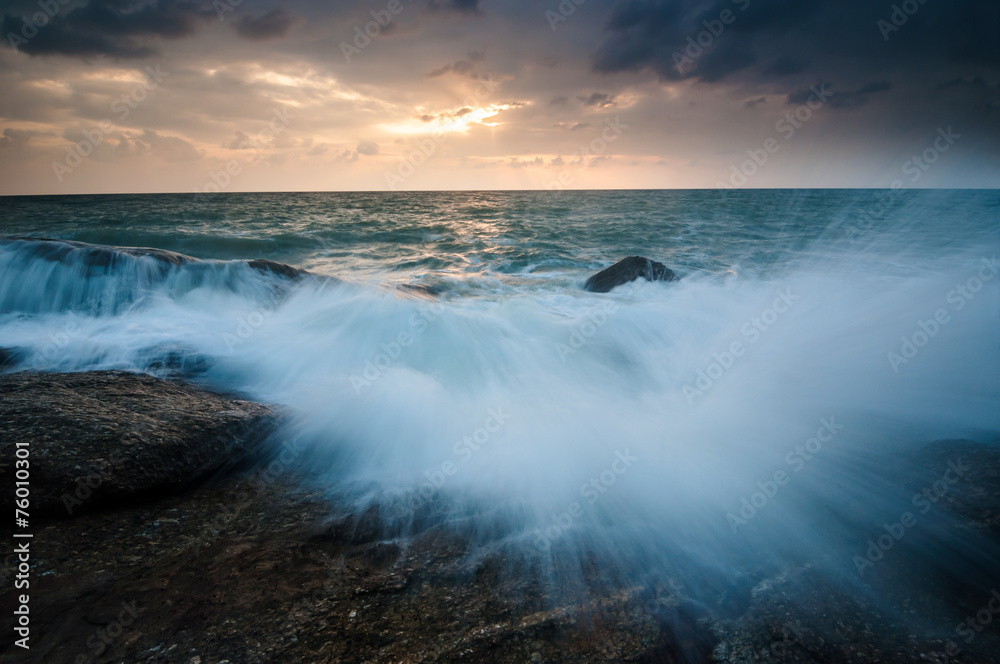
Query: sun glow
x=450, y=122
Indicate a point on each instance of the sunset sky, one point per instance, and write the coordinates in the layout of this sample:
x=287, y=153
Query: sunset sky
x=136, y=96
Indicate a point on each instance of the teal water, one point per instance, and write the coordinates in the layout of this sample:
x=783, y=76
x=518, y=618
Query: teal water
x=880, y=310
x=438, y=237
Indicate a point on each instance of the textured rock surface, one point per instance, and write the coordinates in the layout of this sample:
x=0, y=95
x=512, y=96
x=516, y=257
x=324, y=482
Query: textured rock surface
x=274, y=565
x=626, y=270
x=107, y=436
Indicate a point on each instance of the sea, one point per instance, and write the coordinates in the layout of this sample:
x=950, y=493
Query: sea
x=751, y=410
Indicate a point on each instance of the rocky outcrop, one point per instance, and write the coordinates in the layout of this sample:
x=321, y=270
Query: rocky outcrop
x=111, y=437
x=626, y=270
x=99, y=258
x=274, y=563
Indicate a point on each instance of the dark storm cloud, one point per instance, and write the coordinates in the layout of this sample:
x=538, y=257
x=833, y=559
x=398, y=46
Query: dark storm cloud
x=272, y=25
x=106, y=27
x=768, y=39
x=457, y=6
x=842, y=99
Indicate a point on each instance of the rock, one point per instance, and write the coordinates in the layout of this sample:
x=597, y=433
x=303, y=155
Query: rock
x=99, y=258
x=419, y=291
x=276, y=564
x=626, y=270
x=281, y=269
x=9, y=358
x=106, y=436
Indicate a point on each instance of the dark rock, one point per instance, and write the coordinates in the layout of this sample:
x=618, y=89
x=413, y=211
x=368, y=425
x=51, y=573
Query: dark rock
x=274, y=565
x=98, y=257
x=9, y=358
x=174, y=361
x=281, y=269
x=626, y=270
x=426, y=292
x=109, y=436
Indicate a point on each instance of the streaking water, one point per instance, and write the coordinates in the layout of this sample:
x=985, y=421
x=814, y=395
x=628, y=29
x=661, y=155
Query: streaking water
x=636, y=420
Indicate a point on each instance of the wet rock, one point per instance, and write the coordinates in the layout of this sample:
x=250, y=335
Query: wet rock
x=424, y=292
x=101, y=259
x=626, y=270
x=281, y=269
x=274, y=565
x=9, y=358
x=108, y=436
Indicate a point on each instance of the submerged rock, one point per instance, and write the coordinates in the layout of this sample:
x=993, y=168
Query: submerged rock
x=626, y=270
x=109, y=436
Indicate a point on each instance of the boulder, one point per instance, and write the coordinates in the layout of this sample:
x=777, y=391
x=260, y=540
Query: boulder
x=626, y=270
x=109, y=436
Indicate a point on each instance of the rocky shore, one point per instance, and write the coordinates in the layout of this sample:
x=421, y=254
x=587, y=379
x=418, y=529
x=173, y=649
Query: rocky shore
x=173, y=524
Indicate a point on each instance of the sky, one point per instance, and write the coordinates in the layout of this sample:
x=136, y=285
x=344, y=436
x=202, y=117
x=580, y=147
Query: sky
x=120, y=96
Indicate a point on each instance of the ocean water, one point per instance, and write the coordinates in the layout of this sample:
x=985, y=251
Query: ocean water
x=820, y=334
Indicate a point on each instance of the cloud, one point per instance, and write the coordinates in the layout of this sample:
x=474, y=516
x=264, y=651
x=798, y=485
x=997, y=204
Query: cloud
x=461, y=67
x=846, y=99
x=598, y=100
x=272, y=25
x=170, y=148
x=765, y=40
x=16, y=137
x=559, y=101
x=241, y=142
x=785, y=65
x=516, y=162
x=468, y=7
x=368, y=148
x=752, y=103
x=109, y=28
